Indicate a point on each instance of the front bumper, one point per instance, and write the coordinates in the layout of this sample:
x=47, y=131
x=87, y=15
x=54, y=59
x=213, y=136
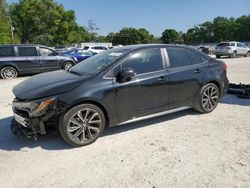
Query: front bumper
x=32, y=127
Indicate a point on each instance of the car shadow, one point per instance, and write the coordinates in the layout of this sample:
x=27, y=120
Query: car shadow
x=10, y=142
x=234, y=100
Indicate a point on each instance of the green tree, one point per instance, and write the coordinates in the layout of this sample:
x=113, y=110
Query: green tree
x=110, y=37
x=170, y=36
x=5, y=34
x=128, y=36
x=224, y=29
x=242, y=31
x=46, y=22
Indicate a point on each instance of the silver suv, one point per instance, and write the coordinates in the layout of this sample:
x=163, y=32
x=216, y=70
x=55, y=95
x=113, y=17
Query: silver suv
x=232, y=49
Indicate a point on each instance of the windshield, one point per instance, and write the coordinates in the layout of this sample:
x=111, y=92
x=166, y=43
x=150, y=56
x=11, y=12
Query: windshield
x=97, y=63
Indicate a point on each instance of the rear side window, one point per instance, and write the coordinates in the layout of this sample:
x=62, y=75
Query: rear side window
x=27, y=51
x=239, y=45
x=148, y=60
x=7, y=51
x=195, y=57
x=178, y=57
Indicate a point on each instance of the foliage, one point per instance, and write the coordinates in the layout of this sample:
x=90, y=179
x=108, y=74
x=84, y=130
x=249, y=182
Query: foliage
x=169, y=36
x=128, y=36
x=220, y=29
x=5, y=34
x=45, y=22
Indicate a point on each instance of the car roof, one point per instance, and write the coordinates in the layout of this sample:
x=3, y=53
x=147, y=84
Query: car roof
x=141, y=46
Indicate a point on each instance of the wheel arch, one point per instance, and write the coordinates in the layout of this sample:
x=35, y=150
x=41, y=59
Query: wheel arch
x=10, y=65
x=217, y=83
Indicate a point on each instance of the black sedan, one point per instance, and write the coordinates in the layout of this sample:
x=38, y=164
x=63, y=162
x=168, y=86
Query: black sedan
x=115, y=87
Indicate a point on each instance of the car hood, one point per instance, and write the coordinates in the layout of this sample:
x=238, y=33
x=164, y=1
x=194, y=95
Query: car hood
x=47, y=84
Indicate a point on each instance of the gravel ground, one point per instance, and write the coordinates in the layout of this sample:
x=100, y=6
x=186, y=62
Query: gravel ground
x=185, y=149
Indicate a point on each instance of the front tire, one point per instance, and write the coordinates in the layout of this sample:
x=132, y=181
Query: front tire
x=8, y=73
x=248, y=54
x=234, y=55
x=208, y=98
x=67, y=65
x=82, y=125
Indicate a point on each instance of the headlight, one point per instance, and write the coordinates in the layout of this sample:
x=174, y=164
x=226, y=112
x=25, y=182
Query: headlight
x=35, y=108
x=75, y=59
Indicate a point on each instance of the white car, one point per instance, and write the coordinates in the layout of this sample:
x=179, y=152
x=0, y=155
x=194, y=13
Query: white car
x=95, y=49
x=232, y=49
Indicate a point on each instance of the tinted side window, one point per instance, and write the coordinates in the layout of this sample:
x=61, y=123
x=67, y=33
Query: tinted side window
x=7, y=51
x=27, y=51
x=148, y=60
x=178, y=57
x=238, y=45
x=195, y=57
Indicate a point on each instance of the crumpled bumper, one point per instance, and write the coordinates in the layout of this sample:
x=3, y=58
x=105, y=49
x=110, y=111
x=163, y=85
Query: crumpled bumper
x=35, y=126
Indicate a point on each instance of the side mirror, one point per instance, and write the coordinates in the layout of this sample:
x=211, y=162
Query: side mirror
x=125, y=75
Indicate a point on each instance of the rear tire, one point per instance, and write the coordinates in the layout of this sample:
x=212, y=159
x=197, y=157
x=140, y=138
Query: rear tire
x=82, y=125
x=208, y=98
x=8, y=73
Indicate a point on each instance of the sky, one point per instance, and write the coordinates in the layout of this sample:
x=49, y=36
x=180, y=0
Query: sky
x=153, y=15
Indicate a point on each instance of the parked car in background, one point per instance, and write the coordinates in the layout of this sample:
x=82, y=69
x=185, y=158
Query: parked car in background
x=232, y=49
x=28, y=59
x=247, y=44
x=95, y=49
x=115, y=87
x=78, y=54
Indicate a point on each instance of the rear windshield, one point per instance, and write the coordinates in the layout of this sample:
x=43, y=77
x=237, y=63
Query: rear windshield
x=7, y=51
x=223, y=44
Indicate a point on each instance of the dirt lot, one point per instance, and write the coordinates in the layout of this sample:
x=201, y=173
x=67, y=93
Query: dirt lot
x=184, y=149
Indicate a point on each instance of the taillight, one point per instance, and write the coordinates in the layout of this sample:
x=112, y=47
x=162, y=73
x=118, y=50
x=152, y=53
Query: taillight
x=224, y=66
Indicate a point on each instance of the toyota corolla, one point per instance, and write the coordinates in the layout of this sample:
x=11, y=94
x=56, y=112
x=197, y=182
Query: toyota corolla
x=116, y=87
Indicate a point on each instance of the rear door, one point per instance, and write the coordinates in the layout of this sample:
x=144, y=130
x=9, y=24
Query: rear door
x=28, y=60
x=50, y=60
x=186, y=74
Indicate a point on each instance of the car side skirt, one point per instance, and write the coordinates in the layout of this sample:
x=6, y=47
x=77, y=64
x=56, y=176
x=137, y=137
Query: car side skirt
x=155, y=115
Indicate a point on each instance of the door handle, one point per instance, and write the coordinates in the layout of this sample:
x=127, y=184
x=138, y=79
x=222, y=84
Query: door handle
x=197, y=71
x=161, y=79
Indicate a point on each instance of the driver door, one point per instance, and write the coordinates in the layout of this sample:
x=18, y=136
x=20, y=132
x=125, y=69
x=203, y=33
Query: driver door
x=147, y=91
x=49, y=59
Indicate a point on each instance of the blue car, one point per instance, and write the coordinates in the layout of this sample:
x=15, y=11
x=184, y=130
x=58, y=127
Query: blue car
x=78, y=54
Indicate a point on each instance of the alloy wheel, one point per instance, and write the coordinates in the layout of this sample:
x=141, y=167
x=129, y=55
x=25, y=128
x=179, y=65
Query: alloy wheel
x=8, y=73
x=67, y=66
x=84, y=126
x=210, y=98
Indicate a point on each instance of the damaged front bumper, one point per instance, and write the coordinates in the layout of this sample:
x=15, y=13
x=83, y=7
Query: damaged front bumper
x=31, y=127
